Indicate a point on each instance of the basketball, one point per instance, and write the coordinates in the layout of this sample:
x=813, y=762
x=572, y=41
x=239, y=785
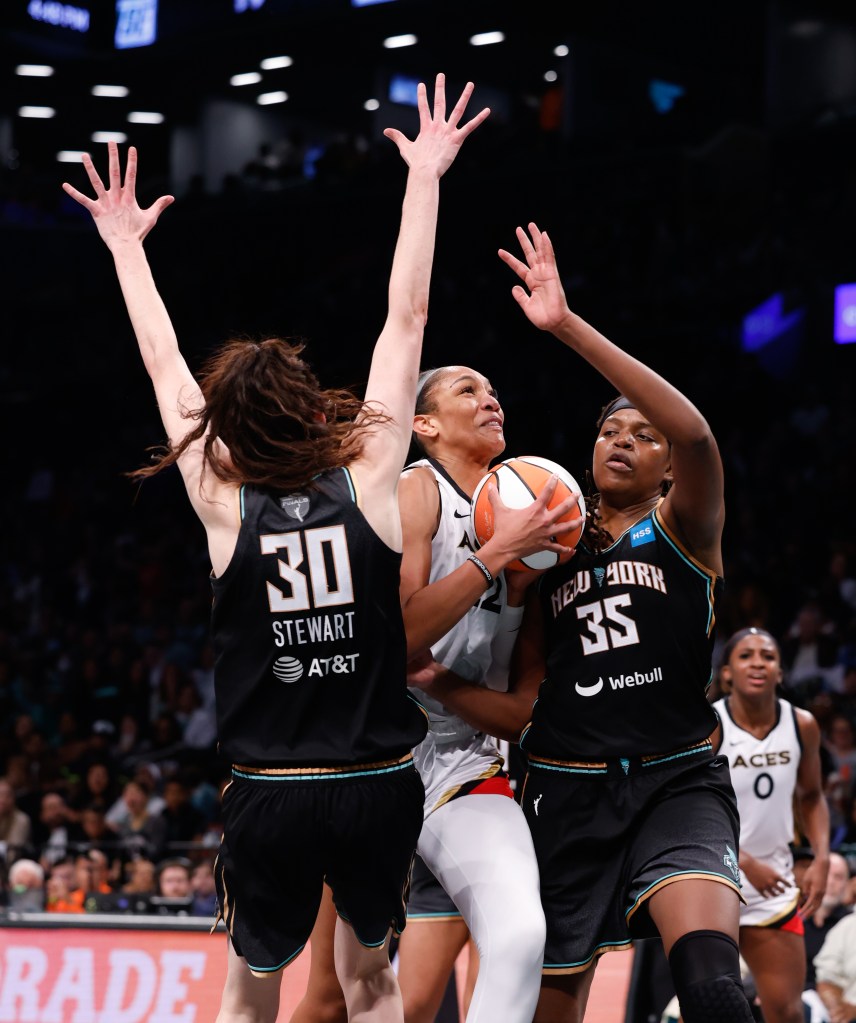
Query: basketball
x=519, y=482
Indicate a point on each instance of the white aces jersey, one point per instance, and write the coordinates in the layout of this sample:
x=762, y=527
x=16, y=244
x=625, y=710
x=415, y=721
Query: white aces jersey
x=465, y=648
x=764, y=775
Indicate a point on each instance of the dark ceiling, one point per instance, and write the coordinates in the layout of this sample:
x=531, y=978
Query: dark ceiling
x=720, y=54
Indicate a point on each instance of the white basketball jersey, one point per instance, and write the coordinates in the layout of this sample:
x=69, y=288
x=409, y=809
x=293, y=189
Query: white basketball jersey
x=465, y=648
x=764, y=775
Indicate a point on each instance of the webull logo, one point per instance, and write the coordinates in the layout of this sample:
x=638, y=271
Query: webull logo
x=638, y=678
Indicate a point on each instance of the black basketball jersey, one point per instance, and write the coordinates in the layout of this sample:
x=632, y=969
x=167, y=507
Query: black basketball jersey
x=629, y=637
x=308, y=633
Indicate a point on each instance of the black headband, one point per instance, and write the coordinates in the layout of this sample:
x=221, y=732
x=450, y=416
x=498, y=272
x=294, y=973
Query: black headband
x=614, y=406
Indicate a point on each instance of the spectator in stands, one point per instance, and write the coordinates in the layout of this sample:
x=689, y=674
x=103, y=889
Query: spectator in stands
x=203, y=888
x=15, y=826
x=27, y=797
x=173, y=878
x=831, y=910
x=26, y=886
x=835, y=971
x=72, y=743
x=99, y=786
x=91, y=871
x=96, y=834
x=198, y=722
x=141, y=877
x=58, y=885
x=142, y=832
x=147, y=775
x=54, y=833
x=840, y=742
x=132, y=743
x=810, y=655
x=184, y=824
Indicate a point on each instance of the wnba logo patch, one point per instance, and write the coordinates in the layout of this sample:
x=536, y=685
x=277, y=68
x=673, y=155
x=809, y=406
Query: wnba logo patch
x=295, y=505
x=730, y=861
x=287, y=669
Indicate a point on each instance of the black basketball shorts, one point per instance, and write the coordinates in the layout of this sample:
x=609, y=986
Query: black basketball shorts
x=606, y=841
x=287, y=831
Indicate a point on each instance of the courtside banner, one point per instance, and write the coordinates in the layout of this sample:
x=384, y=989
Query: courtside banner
x=89, y=974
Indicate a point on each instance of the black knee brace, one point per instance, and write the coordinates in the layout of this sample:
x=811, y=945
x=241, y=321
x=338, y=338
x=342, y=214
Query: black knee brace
x=705, y=968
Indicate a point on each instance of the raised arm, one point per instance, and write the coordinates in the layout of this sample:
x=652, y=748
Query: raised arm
x=123, y=226
x=695, y=508
x=395, y=362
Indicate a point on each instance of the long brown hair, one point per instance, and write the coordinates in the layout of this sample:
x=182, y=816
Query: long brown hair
x=264, y=403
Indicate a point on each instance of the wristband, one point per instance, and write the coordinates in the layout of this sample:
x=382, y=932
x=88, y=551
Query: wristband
x=482, y=567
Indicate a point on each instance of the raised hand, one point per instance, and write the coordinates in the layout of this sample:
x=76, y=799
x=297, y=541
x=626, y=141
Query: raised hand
x=541, y=297
x=115, y=210
x=439, y=140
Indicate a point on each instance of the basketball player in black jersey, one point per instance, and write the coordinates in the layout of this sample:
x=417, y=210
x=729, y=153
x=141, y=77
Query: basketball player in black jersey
x=297, y=489
x=632, y=814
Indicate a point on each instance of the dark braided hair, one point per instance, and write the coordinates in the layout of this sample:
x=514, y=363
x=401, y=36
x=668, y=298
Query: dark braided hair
x=264, y=403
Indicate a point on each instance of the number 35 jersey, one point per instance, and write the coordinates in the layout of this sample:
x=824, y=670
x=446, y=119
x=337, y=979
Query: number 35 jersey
x=629, y=635
x=308, y=634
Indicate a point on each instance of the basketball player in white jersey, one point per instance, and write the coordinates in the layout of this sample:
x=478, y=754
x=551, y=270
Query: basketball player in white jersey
x=773, y=750
x=474, y=839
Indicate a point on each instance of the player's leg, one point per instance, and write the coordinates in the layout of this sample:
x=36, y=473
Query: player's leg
x=375, y=823
x=323, y=1001
x=368, y=980
x=777, y=961
x=246, y=996
x=563, y=998
x=698, y=921
x=429, y=945
x=427, y=951
x=480, y=849
x=472, y=975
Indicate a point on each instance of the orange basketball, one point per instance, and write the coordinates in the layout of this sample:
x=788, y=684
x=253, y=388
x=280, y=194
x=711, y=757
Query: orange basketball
x=520, y=481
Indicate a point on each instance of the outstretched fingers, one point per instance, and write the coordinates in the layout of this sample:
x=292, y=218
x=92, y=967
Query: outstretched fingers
x=526, y=245
x=131, y=170
x=440, y=97
x=84, y=200
x=474, y=122
x=93, y=175
x=114, y=170
x=511, y=260
x=422, y=106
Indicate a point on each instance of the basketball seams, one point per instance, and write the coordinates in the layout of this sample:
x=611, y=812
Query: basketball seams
x=514, y=472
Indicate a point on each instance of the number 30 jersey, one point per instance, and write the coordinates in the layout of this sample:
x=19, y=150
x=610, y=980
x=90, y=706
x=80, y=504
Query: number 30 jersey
x=629, y=635
x=309, y=638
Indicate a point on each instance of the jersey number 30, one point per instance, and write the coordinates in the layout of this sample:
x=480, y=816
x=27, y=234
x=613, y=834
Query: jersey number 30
x=328, y=563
